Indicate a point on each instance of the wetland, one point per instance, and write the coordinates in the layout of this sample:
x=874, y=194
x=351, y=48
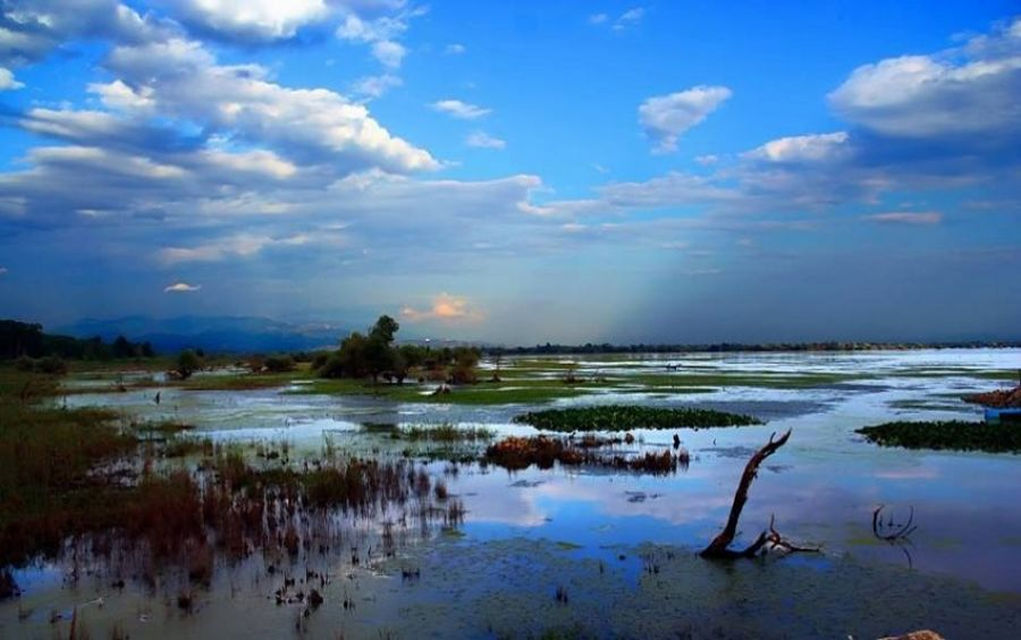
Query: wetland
x=557, y=496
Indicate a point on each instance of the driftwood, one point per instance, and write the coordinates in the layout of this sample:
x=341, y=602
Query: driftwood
x=720, y=546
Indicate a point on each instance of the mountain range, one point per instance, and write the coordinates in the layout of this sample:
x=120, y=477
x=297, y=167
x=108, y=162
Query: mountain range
x=217, y=334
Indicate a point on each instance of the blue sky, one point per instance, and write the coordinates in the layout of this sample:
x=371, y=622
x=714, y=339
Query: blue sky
x=517, y=172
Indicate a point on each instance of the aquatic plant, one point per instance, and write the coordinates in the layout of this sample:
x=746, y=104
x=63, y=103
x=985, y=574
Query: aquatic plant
x=955, y=435
x=625, y=417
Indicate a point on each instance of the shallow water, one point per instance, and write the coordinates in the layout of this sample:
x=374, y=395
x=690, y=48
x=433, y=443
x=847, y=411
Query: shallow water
x=822, y=488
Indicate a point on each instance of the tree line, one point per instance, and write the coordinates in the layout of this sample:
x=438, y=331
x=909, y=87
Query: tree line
x=27, y=340
x=374, y=354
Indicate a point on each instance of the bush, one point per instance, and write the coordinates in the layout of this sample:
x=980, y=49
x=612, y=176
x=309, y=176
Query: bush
x=319, y=360
x=51, y=365
x=279, y=364
x=24, y=363
x=333, y=368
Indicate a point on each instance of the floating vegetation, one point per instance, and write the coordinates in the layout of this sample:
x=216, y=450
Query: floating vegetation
x=957, y=435
x=515, y=453
x=625, y=417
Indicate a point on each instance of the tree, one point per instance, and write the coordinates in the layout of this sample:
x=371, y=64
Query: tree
x=188, y=362
x=121, y=348
x=349, y=361
x=385, y=329
x=465, y=360
x=380, y=355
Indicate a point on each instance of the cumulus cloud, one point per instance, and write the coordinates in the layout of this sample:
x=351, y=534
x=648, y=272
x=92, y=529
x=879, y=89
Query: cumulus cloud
x=182, y=80
x=7, y=81
x=459, y=109
x=966, y=91
x=30, y=30
x=483, y=140
x=665, y=118
x=454, y=49
x=906, y=217
x=181, y=287
x=252, y=20
x=807, y=148
x=445, y=308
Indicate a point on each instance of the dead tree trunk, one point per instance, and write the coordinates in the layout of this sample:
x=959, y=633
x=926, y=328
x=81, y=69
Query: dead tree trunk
x=719, y=547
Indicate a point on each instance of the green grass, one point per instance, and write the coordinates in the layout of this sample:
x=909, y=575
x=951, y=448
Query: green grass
x=625, y=417
x=956, y=435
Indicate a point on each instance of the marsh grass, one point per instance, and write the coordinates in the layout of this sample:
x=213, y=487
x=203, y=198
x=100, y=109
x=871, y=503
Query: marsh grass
x=53, y=500
x=516, y=453
x=444, y=433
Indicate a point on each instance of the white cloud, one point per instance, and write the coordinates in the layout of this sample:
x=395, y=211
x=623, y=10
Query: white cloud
x=626, y=20
x=376, y=86
x=629, y=18
x=260, y=20
x=241, y=246
x=807, y=148
x=665, y=118
x=381, y=33
x=483, y=140
x=969, y=91
x=389, y=53
x=182, y=80
x=445, y=308
x=181, y=287
x=7, y=81
x=356, y=29
x=459, y=109
x=707, y=159
x=454, y=49
x=31, y=30
x=117, y=95
x=906, y=217
x=3, y=271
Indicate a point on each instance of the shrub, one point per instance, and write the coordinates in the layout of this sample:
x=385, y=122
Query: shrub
x=279, y=364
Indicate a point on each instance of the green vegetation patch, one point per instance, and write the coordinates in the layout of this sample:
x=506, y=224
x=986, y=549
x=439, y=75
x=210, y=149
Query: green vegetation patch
x=956, y=435
x=444, y=433
x=624, y=417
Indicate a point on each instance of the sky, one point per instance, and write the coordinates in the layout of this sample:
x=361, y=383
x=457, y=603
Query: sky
x=522, y=172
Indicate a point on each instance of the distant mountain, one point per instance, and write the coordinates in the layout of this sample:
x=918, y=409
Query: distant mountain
x=215, y=334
